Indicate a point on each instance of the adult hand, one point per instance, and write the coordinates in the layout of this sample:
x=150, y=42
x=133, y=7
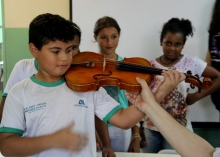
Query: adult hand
x=141, y=100
x=171, y=79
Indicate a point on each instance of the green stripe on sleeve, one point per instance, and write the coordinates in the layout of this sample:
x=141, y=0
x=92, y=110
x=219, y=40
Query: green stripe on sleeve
x=5, y=94
x=111, y=113
x=11, y=130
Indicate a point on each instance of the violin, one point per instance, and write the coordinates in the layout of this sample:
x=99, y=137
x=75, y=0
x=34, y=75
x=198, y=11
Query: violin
x=90, y=70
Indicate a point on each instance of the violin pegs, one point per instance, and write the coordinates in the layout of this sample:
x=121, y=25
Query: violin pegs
x=197, y=75
x=192, y=86
x=189, y=72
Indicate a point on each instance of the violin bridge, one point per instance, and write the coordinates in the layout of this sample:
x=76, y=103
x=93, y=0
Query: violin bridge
x=104, y=64
x=90, y=64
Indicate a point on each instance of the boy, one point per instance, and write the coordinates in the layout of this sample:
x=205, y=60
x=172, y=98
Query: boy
x=22, y=70
x=43, y=117
x=26, y=68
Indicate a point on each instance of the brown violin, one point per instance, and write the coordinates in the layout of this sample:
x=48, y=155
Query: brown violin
x=90, y=70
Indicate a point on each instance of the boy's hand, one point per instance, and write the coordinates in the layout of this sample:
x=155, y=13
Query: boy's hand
x=66, y=139
x=171, y=79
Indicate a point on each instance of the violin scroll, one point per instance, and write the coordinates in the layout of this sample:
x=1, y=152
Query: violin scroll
x=195, y=81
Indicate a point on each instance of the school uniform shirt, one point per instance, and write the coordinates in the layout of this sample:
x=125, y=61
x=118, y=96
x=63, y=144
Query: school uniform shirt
x=34, y=108
x=175, y=102
x=22, y=70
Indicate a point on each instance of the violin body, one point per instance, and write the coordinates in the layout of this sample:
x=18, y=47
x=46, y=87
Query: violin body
x=90, y=70
x=87, y=73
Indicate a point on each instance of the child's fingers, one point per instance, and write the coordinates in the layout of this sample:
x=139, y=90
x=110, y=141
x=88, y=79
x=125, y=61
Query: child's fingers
x=84, y=140
x=78, y=142
x=131, y=96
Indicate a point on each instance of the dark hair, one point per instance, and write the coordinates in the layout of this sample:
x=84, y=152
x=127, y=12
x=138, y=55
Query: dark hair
x=176, y=25
x=215, y=21
x=105, y=22
x=48, y=27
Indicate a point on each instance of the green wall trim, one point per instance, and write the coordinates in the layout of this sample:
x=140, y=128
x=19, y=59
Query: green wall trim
x=210, y=131
x=15, y=48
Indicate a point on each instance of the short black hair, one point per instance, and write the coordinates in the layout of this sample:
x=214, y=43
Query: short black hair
x=49, y=27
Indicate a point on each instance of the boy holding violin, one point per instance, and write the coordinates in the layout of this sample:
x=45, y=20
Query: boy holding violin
x=43, y=117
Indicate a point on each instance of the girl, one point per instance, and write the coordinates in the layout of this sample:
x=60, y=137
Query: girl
x=172, y=39
x=106, y=34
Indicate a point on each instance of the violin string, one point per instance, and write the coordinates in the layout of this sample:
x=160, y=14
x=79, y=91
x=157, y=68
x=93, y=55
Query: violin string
x=147, y=68
x=132, y=65
x=142, y=67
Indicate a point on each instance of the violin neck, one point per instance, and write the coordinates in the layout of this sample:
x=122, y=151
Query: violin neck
x=138, y=68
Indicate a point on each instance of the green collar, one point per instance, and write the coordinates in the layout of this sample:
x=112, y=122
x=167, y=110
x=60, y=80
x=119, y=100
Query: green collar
x=47, y=84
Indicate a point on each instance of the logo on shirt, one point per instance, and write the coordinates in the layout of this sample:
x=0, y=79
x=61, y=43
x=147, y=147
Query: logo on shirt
x=81, y=104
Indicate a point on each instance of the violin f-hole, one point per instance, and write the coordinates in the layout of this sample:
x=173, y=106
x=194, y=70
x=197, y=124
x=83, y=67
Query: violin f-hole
x=96, y=76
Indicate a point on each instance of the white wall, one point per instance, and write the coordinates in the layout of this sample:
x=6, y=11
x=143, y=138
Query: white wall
x=141, y=22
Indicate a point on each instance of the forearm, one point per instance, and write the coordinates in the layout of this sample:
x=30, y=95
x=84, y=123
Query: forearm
x=102, y=130
x=20, y=146
x=127, y=118
x=135, y=140
x=135, y=130
x=186, y=143
x=136, y=135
